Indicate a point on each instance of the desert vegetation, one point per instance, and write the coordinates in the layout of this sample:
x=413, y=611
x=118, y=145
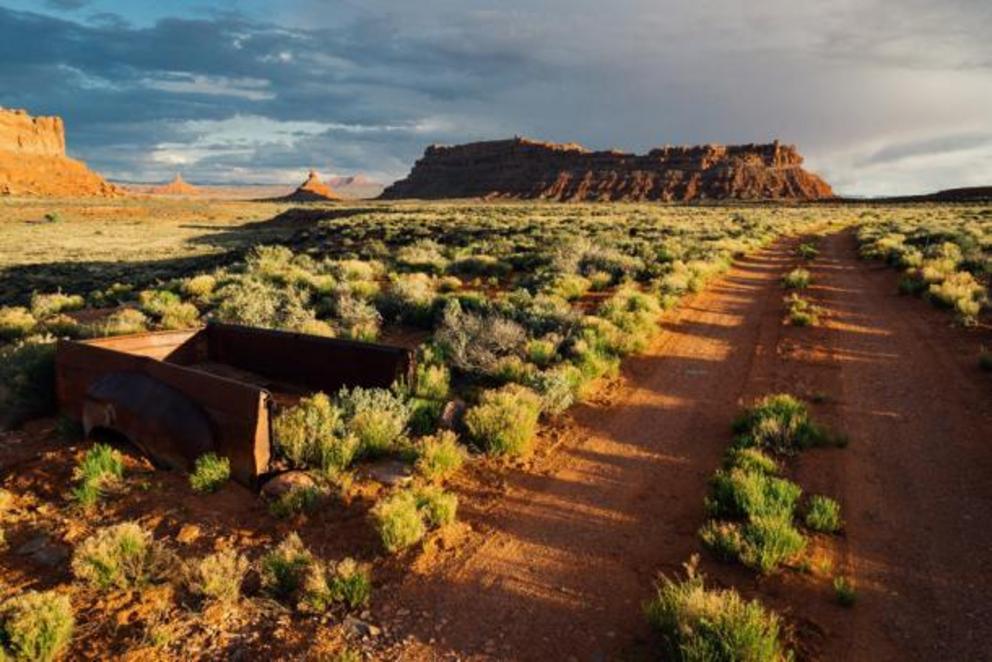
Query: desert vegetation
x=944, y=256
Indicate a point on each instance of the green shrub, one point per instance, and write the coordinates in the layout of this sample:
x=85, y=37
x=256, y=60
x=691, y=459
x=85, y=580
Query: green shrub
x=961, y=292
x=769, y=541
x=433, y=381
x=284, y=569
x=16, y=322
x=807, y=251
x=558, y=388
x=62, y=326
x=697, y=623
x=823, y=514
x=779, y=423
x=180, y=316
x=845, y=591
x=210, y=472
x=722, y=538
x=121, y=556
x=123, y=322
x=310, y=434
x=199, y=287
x=100, y=467
x=44, y=306
x=357, y=319
x=156, y=302
x=217, y=576
x=27, y=373
x=439, y=456
x=35, y=626
x=505, y=420
x=742, y=494
x=797, y=279
x=377, y=417
x=750, y=460
x=437, y=507
x=351, y=583
x=475, y=343
x=399, y=521
x=542, y=352
x=300, y=499
x=802, y=312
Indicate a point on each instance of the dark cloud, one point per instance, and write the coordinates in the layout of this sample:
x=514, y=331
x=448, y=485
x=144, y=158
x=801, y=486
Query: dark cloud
x=66, y=5
x=223, y=94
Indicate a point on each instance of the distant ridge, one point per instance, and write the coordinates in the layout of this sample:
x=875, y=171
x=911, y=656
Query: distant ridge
x=529, y=169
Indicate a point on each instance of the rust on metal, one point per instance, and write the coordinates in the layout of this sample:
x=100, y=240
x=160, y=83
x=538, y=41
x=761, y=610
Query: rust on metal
x=178, y=394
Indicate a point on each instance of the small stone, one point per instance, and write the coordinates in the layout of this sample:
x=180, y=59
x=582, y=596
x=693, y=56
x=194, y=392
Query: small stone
x=285, y=482
x=188, y=534
x=390, y=472
x=453, y=415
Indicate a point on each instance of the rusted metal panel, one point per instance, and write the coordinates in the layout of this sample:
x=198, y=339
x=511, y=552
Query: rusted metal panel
x=160, y=390
x=314, y=362
x=235, y=410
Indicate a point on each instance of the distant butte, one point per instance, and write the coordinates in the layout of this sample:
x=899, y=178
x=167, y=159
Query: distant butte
x=312, y=190
x=529, y=169
x=178, y=186
x=33, y=160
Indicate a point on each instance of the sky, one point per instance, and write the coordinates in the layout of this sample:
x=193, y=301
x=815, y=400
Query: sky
x=881, y=96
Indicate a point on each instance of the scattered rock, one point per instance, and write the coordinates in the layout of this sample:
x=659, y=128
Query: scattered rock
x=523, y=168
x=285, y=482
x=44, y=551
x=390, y=472
x=360, y=628
x=189, y=533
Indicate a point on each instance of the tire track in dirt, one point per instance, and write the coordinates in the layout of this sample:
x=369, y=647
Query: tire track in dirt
x=570, y=556
x=915, y=480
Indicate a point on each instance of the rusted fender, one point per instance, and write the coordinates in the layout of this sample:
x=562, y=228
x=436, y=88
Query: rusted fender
x=162, y=422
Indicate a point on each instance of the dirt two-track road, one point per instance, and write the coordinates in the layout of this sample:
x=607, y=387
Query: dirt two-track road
x=572, y=550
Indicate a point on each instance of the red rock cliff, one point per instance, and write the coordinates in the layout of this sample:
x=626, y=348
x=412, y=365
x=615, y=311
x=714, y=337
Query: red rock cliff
x=522, y=168
x=33, y=160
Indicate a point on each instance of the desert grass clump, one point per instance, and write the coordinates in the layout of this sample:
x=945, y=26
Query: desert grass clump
x=376, y=417
x=125, y=321
x=347, y=582
x=399, y=521
x=801, y=312
x=35, y=626
x=284, y=569
x=432, y=381
x=27, y=373
x=101, y=467
x=210, y=472
x=748, y=494
x=437, y=507
x=44, y=306
x=121, y=556
x=807, y=251
x=505, y=420
x=779, y=423
x=823, y=514
x=310, y=435
x=475, y=343
x=962, y=292
x=845, y=591
x=16, y=322
x=217, y=576
x=199, y=287
x=696, y=623
x=295, y=501
x=440, y=456
x=797, y=279
x=750, y=460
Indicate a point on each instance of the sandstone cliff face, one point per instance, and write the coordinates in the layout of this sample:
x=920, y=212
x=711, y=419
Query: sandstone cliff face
x=521, y=168
x=33, y=160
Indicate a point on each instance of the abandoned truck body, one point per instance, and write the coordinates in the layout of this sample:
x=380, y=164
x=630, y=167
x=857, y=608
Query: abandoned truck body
x=176, y=395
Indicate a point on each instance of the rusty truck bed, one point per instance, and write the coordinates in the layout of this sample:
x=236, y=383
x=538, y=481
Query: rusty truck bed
x=178, y=394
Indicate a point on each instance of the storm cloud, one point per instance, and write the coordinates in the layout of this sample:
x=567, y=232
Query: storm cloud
x=882, y=96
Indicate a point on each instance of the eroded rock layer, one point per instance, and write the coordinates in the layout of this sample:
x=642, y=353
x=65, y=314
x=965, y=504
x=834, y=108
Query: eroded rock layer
x=33, y=161
x=528, y=169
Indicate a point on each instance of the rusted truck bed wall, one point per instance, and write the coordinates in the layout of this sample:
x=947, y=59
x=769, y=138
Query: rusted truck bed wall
x=238, y=412
x=181, y=347
x=314, y=362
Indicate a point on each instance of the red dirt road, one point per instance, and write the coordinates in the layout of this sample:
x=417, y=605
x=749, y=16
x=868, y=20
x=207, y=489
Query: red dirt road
x=570, y=552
